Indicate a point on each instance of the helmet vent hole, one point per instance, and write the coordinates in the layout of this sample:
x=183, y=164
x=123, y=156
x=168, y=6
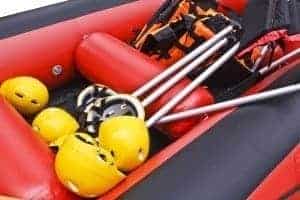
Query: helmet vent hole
x=34, y=101
x=112, y=153
x=103, y=157
x=84, y=140
x=140, y=150
x=141, y=154
x=19, y=95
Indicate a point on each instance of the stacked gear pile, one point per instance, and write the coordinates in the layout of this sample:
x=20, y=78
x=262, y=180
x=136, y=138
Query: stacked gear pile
x=180, y=26
x=177, y=28
x=88, y=166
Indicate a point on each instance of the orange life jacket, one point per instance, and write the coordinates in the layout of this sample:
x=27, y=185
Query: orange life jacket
x=184, y=26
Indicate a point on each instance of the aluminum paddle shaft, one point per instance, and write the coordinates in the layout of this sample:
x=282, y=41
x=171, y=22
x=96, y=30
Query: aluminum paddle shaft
x=275, y=64
x=193, y=85
x=264, y=52
x=231, y=103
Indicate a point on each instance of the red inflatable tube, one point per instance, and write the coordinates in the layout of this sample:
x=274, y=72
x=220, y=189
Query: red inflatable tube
x=288, y=44
x=292, y=42
x=103, y=59
x=236, y=5
x=198, y=98
x=35, y=53
x=27, y=167
x=267, y=38
x=283, y=182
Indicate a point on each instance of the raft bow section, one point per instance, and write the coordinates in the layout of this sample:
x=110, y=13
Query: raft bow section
x=26, y=162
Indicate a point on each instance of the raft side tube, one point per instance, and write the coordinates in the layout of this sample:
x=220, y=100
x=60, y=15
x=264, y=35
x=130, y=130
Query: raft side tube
x=283, y=181
x=27, y=164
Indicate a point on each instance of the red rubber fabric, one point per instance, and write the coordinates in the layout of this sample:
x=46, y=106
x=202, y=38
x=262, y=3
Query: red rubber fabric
x=267, y=38
x=283, y=181
x=200, y=97
x=292, y=42
x=103, y=59
x=236, y=5
x=27, y=167
x=35, y=53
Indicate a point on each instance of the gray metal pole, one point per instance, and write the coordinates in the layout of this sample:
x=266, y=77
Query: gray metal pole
x=264, y=52
x=193, y=85
x=185, y=60
x=181, y=74
x=231, y=103
x=279, y=61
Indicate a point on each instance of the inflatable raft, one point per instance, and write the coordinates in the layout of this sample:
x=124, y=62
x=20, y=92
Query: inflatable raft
x=247, y=152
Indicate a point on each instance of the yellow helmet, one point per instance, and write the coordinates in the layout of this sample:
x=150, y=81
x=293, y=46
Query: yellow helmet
x=127, y=139
x=53, y=123
x=84, y=168
x=28, y=95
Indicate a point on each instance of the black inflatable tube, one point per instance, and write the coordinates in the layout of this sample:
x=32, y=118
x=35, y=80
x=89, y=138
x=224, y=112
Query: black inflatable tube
x=37, y=18
x=231, y=159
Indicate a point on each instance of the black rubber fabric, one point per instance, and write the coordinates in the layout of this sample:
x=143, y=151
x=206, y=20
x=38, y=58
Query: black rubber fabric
x=295, y=16
x=263, y=16
x=231, y=159
x=27, y=21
